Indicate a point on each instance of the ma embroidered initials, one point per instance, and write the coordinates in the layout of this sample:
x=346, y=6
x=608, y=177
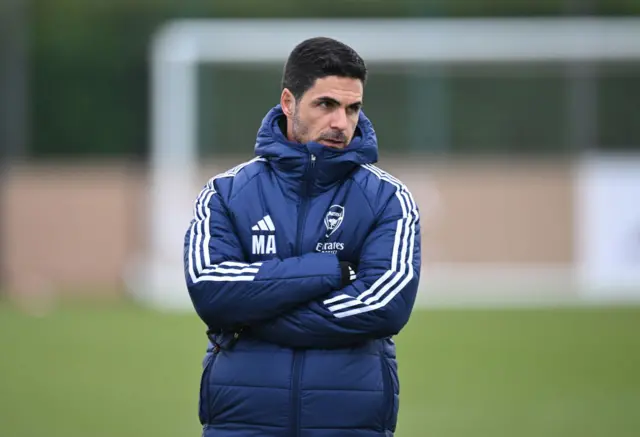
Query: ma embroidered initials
x=263, y=244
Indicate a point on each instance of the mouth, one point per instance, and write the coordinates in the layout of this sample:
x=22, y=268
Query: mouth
x=332, y=143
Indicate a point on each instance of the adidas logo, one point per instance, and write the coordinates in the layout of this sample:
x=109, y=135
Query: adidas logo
x=263, y=240
x=264, y=225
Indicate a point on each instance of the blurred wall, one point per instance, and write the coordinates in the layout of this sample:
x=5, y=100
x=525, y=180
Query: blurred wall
x=70, y=228
x=501, y=212
x=74, y=228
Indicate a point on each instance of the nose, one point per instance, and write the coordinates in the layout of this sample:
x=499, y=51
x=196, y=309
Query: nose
x=339, y=121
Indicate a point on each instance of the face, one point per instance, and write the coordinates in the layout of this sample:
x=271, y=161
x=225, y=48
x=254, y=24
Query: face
x=327, y=113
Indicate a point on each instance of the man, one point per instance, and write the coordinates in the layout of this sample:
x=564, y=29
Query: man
x=303, y=263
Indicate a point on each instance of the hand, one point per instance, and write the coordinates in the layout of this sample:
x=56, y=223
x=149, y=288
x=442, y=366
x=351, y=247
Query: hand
x=348, y=271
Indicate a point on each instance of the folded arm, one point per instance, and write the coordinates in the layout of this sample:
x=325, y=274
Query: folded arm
x=377, y=304
x=226, y=291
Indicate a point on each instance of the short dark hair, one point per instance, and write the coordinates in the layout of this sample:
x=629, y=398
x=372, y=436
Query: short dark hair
x=319, y=57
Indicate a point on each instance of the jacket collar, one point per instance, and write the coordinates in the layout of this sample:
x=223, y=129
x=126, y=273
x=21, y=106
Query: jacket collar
x=312, y=168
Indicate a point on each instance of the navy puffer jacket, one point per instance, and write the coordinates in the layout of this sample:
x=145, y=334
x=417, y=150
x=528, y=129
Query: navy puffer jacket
x=292, y=351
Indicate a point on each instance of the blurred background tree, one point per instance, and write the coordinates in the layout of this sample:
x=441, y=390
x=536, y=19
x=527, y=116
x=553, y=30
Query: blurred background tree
x=89, y=64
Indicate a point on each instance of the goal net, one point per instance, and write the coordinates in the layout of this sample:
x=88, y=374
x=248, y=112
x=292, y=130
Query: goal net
x=213, y=81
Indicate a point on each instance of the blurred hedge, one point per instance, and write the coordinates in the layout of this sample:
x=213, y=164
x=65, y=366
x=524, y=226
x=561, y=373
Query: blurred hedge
x=89, y=72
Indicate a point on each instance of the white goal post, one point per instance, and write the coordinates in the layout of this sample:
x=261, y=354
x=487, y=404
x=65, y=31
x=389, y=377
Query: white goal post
x=180, y=46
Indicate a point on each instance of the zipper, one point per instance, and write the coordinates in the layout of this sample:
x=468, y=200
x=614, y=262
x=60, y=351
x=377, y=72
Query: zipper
x=298, y=355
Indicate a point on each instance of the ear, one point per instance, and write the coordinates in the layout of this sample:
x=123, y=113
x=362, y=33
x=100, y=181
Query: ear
x=287, y=102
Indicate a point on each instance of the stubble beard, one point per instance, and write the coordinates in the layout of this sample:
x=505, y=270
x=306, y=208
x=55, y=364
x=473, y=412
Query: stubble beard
x=299, y=130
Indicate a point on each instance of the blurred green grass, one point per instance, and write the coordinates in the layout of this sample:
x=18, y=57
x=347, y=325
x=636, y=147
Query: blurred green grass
x=120, y=370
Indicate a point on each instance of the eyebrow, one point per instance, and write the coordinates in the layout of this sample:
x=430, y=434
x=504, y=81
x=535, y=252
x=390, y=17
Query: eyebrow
x=335, y=102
